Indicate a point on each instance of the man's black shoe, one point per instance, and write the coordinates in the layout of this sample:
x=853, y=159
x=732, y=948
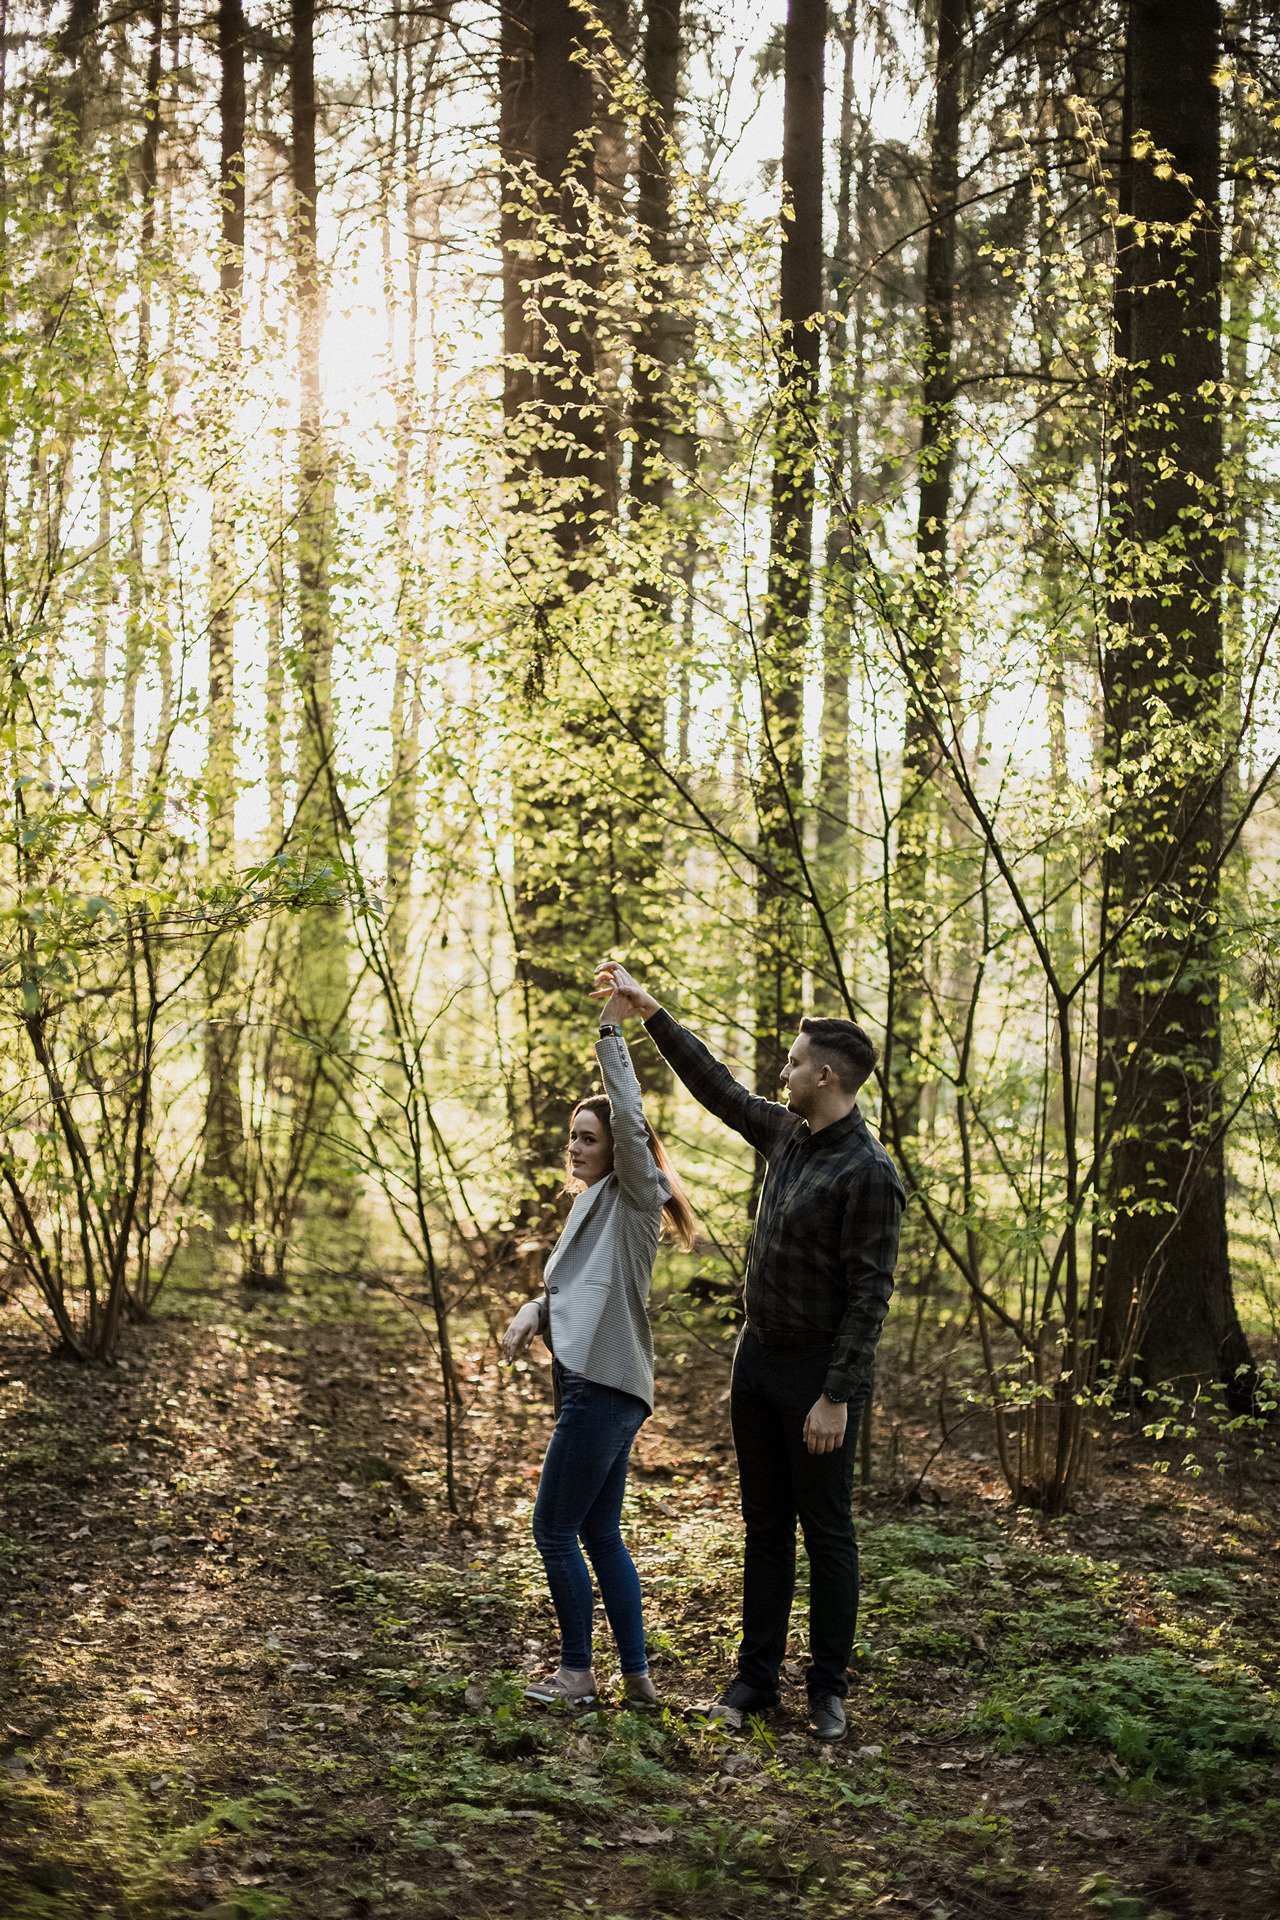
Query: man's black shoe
x=735, y=1705
x=826, y=1716
x=749, y=1699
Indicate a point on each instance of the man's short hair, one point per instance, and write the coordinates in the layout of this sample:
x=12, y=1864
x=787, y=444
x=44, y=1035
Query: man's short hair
x=844, y=1047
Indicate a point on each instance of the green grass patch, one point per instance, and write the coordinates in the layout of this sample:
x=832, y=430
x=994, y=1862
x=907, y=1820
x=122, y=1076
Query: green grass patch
x=1164, y=1721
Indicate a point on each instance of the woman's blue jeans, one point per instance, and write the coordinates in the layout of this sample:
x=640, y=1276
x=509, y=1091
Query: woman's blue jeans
x=584, y=1477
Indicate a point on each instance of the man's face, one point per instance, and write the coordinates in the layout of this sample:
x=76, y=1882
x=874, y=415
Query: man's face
x=802, y=1077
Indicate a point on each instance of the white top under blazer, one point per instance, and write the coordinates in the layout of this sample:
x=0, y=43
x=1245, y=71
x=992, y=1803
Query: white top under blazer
x=597, y=1279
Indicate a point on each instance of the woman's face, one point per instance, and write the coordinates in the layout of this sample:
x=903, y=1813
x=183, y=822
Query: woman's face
x=590, y=1149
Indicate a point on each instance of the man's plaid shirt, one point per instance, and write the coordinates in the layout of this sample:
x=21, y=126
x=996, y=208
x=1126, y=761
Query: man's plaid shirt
x=826, y=1233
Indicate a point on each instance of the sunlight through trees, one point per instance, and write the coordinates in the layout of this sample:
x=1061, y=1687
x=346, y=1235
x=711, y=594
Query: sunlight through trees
x=491, y=487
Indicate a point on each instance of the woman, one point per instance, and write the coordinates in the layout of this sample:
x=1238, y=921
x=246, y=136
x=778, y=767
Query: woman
x=593, y=1316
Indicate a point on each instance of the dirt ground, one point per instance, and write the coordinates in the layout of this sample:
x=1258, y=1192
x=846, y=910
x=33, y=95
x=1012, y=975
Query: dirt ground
x=252, y=1666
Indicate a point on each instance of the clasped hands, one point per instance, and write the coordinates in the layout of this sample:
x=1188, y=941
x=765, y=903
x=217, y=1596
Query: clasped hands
x=624, y=997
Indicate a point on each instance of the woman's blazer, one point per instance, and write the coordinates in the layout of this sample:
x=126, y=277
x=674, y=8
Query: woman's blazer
x=597, y=1279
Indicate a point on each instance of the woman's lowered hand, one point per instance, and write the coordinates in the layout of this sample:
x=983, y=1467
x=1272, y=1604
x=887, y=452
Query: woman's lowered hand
x=518, y=1335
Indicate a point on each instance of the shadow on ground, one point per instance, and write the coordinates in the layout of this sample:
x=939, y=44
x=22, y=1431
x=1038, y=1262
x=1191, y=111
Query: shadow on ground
x=253, y=1667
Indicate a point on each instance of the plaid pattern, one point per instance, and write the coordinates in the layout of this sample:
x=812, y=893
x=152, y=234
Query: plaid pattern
x=825, y=1241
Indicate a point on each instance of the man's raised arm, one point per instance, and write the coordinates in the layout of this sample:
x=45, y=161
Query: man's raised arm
x=762, y=1122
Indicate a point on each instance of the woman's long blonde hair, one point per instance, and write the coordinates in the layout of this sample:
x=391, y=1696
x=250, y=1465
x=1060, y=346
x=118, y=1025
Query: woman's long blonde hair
x=679, y=1223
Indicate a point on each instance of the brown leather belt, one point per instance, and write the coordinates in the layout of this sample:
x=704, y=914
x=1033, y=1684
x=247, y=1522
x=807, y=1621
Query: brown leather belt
x=788, y=1336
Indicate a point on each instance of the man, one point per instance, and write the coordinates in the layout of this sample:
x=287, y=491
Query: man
x=819, y=1277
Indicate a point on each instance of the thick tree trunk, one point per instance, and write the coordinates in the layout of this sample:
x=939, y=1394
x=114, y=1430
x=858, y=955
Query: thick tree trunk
x=930, y=668
x=515, y=135
x=612, y=174
x=1167, y=1304
x=785, y=636
x=567, y=892
x=1242, y=274
x=79, y=43
x=224, y=1119
x=655, y=333
x=654, y=447
x=571, y=443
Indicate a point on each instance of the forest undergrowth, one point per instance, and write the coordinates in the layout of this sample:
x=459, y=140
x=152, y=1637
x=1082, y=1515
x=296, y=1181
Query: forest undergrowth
x=254, y=1668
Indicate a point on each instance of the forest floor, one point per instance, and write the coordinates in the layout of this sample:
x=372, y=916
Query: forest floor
x=252, y=1667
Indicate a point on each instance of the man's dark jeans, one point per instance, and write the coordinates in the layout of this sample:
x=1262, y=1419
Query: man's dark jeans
x=782, y=1482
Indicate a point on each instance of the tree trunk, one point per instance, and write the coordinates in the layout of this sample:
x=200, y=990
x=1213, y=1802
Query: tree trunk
x=930, y=668
x=143, y=476
x=78, y=42
x=654, y=447
x=315, y=632
x=566, y=894
x=1243, y=262
x=321, y=987
x=654, y=339
x=785, y=636
x=413, y=558
x=272, y=599
x=571, y=444
x=224, y=1119
x=515, y=136
x=832, y=859
x=1056, y=461
x=614, y=105
x=1168, y=1311
x=103, y=597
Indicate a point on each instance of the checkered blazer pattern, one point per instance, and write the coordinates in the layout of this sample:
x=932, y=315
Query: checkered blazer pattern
x=597, y=1279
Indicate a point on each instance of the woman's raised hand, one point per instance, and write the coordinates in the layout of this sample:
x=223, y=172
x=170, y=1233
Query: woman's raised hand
x=623, y=996
x=518, y=1335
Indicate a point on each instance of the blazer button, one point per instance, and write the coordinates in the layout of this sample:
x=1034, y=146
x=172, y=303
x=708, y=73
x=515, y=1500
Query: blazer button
x=553, y=1289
